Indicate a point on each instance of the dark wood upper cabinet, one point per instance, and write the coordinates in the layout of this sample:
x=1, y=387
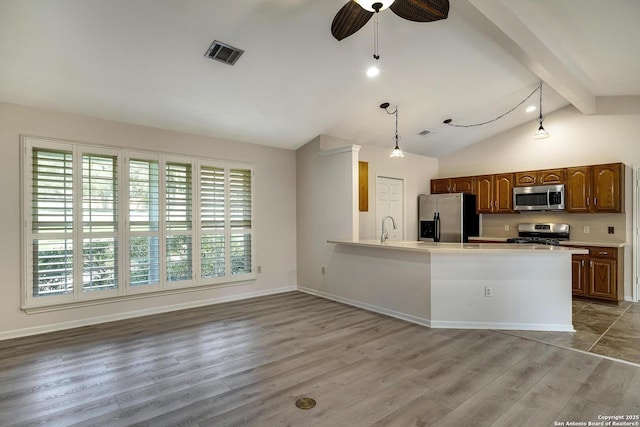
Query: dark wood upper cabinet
x=597, y=188
x=484, y=193
x=539, y=177
x=503, y=193
x=588, y=189
x=607, y=187
x=494, y=193
x=441, y=185
x=578, y=189
x=462, y=184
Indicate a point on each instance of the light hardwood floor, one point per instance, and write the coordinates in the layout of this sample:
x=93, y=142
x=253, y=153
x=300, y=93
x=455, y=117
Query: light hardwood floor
x=247, y=362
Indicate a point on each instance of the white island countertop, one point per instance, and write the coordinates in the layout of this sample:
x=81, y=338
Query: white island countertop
x=445, y=247
x=455, y=285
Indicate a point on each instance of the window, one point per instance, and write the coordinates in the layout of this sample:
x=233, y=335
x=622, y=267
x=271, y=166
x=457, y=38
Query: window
x=51, y=222
x=102, y=222
x=178, y=203
x=240, y=217
x=144, y=222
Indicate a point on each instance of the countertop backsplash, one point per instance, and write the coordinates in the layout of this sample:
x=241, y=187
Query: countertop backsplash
x=493, y=225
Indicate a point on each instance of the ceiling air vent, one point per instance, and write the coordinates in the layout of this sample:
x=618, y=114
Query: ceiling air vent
x=425, y=132
x=223, y=52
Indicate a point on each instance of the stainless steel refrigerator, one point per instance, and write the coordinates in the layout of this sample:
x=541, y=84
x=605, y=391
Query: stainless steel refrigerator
x=447, y=217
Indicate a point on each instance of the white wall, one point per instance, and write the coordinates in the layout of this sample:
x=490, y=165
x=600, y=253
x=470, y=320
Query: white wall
x=327, y=196
x=327, y=189
x=416, y=171
x=611, y=136
x=275, y=216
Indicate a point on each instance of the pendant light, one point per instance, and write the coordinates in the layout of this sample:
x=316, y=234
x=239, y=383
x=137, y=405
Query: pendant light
x=397, y=152
x=541, y=133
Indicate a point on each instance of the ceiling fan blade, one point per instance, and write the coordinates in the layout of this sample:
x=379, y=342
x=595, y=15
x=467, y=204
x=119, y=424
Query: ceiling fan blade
x=421, y=10
x=349, y=19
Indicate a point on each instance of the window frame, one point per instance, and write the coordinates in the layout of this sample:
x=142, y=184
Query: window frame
x=124, y=290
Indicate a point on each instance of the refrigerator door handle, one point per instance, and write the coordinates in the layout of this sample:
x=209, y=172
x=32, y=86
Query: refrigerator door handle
x=436, y=219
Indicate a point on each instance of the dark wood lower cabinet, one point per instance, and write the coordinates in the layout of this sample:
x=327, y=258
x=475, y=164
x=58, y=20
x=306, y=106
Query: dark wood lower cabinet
x=579, y=272
x=596, y=275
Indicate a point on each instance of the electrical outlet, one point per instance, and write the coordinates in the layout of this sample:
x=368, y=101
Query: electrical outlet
x=586, y=229
x=506, y=227
x=610, y=230
x=488, y=292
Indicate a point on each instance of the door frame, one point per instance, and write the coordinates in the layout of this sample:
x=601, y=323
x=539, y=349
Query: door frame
x=404, y=205
x=635, y=287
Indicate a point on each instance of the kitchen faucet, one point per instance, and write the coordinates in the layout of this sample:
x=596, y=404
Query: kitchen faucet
x=385, y=234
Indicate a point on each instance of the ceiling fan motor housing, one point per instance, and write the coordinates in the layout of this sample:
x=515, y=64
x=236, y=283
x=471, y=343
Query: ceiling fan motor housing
x=374, y=6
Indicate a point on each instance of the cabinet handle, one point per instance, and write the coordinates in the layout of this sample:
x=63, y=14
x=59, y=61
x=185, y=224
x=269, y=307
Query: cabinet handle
x=454, y=188
x=603, y=253
x=595, y=201
x=587, y=201
x=583, y=263
x=591, y=264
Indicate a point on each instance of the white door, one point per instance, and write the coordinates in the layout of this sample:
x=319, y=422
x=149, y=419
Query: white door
x=390, y=201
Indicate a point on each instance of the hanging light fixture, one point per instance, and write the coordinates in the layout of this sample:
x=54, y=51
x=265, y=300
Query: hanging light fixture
x=397, y=152
x=541, y=133
x=374, y=6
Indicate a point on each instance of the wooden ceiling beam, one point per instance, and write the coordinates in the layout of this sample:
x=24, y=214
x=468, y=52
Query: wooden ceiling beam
x=498, y=21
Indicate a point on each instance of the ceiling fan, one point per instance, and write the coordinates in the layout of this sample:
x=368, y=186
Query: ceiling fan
x=356, y=13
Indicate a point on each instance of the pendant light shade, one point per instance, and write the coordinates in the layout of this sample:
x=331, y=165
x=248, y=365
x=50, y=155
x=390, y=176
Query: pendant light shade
x=397, y=152
x=541, y=133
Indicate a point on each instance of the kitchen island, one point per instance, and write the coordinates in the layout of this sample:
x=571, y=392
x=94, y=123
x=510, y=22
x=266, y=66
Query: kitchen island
x=455, y=285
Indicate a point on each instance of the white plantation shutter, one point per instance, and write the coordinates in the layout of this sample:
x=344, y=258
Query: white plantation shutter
x=103, y=222
x=52, y=221
x=212, y=222
x=241, y=220
x=99, y=222
x=178, y=219
x=144, y=222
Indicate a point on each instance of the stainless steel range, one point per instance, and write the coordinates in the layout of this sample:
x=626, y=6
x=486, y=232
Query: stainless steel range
x=545, y=234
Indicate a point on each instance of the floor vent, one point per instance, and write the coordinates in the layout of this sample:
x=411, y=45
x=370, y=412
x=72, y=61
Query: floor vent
x=223, y=52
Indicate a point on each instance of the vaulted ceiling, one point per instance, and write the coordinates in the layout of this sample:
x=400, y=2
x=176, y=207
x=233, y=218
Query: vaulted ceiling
x=143, y=62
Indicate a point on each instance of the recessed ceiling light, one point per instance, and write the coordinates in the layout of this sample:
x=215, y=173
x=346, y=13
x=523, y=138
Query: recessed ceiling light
x=373, y=71
x=530, y=109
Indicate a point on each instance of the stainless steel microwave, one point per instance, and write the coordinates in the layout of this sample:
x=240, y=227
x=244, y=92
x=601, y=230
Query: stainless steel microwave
x=539, y=198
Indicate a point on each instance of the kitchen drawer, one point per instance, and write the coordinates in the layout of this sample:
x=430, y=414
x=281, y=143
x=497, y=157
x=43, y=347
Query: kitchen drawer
x=611, y=253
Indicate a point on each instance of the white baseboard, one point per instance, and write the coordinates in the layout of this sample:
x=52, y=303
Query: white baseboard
x=5, y=335
x=445, y=324
x=438, y=323
x=374, y=308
